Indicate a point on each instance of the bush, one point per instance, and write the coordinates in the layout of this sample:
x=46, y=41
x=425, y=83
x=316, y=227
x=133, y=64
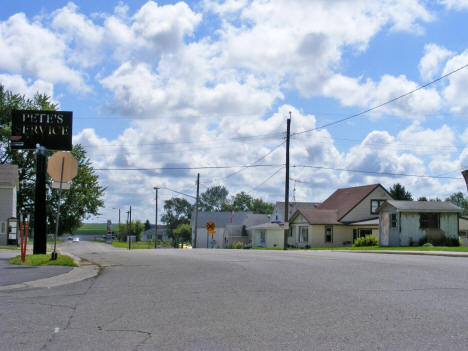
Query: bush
x=444, y=241
x=368, y=240
x=237, y=245
x=428, y=245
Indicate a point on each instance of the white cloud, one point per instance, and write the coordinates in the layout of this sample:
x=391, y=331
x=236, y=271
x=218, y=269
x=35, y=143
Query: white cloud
x=427, y=141
x=430, y=64
x=36, y=52
x=455, y=93
x=464, y=136
x=16, y=83
x=455, y=4
x=367, y=94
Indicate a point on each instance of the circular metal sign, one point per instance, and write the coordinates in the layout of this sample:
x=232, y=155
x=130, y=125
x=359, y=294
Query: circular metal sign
x=210, y=226
x=69, y=163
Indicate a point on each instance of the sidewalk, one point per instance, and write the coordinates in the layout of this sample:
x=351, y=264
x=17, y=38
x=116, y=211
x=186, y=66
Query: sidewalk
x=407, y=252
x=21, y=277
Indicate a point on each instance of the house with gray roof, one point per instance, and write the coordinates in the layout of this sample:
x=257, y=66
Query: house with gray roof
x=404, y=223
x=149, y=234
x=229, y=227
x=8, y=190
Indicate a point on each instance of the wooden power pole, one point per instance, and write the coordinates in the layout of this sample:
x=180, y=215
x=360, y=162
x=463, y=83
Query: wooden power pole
x=286, y=190
x=194, y=244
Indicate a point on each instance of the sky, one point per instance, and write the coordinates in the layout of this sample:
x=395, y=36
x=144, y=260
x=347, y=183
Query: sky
x=161, y=91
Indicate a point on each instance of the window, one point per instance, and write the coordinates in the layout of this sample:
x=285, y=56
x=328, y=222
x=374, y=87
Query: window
x=303, y=234
x=375, y=204
x=429, y=220
x=393, y=220
x=328, y=234
x=290, y=231
x=262, y=236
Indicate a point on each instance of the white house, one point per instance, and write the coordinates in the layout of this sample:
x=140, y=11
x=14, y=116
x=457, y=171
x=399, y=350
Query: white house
x=404, y=223
x=8, y=189
x=229, y=227
x=349, y=213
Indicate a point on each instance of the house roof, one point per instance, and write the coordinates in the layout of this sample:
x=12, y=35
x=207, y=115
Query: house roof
x=372, y=221
x=345, y=199
x=267, y=225
x=8, y=175
x=421, y=206
x=318, y=216
x=222, y=219
x=294, y=206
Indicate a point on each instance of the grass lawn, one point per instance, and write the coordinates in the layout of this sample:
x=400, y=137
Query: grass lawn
x=137, y=245
x=43, y=260
x=9, y=247
x=95, y=229
x=366, y=248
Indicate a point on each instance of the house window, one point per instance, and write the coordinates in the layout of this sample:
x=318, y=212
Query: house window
x=375, y=204
x=290, y=231
x=303, y=234
x=429, y=220
x=262, y=236
x=393, y=220
x=328, y=234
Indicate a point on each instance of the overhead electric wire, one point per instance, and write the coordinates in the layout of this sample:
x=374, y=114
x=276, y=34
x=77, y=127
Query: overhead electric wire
x=178, y=192
x=183, y=168
x=267, y=179
x=382, y=104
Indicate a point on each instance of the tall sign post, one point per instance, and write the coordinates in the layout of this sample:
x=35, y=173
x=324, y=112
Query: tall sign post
x=465, y=175
x=41, y=130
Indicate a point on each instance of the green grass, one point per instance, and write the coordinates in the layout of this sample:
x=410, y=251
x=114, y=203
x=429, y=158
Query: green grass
x=137, y=245
x=405, y=248
x=43, y=260
x=9, y=247
x=95, y=229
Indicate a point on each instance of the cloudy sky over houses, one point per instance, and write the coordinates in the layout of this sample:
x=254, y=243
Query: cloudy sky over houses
x=163, y=90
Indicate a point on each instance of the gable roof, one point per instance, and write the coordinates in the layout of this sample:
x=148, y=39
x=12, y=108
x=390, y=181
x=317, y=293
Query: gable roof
x=345, y=199
x=8, y=175
x=422, y=206
x=222, y=219
x=318, y=216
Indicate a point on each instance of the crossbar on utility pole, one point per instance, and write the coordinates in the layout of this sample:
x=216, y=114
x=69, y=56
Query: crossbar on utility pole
x=194, y=244
x=286, y=190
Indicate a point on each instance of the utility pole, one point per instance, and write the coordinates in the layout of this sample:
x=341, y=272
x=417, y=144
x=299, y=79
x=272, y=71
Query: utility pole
x=465, y=175
x=286, y=190
x=40, y=217
x=194, y=244
x=156, y=220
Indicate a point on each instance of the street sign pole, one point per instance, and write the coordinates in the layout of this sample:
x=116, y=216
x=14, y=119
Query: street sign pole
x=40, y=221
x=54, y=254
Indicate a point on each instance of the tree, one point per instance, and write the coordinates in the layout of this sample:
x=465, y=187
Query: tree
x=183, y=233
x=241, y=202
x=176, y=211
x=85, y=195
x=213, y=199
x=135, y=228
x=422, y=198
x=80, y=202
x=147, y=225
x=399, y=192
x=459, y=200
x=261, y=207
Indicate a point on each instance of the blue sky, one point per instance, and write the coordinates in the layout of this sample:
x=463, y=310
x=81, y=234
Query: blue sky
x=192, y=84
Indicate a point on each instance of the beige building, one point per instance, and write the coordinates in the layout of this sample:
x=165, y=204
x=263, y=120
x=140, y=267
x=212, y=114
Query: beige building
x=348, y=214
x=8, y=189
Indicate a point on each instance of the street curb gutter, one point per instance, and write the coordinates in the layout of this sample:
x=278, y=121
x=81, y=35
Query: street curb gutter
x=417, y=253
x=85, y=271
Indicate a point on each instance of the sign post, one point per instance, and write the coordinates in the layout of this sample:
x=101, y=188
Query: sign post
x=41, y=130
x=68, y=170
x=465, y=175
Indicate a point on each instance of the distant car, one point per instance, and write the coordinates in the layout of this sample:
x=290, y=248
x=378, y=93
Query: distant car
x=76, y=239
x=69, y=238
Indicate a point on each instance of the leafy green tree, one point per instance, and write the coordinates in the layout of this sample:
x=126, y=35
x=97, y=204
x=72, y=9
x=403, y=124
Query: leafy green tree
x=147, y=225
x=399, y=192
x=241, y=202
x=82, y=200
x=182, y=234
x=261, y=207
x=213, y=199
x=134, y=228
x=85, y=195
x=459, y=200
x=422, y=198
x=176, y=211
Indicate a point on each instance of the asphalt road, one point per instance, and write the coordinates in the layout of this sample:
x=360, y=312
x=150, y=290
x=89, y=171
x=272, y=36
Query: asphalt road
x=203, y=299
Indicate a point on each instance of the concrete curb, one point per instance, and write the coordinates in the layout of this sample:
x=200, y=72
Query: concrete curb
x=82, y=272
x=417, y=253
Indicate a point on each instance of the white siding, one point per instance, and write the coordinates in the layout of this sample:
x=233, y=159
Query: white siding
x=7, y=203
x=363, y=210
x=410, y=229
x=274, y=238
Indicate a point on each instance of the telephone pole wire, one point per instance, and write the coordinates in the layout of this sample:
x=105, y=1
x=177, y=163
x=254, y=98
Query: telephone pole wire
x=286, y=190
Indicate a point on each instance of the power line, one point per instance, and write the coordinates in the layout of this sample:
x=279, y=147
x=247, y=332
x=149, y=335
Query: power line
x=372, y=172
x=383, y=104
x=183, y=168
x=178, y=192
x=267, y=179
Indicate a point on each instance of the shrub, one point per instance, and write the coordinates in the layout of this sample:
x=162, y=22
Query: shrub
x=428, y=245
x=237, y=245
x=444, y=241
x=368, y=240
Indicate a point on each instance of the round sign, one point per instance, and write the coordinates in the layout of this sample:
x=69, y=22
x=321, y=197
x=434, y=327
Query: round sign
x=210, y=226
x=69, y=163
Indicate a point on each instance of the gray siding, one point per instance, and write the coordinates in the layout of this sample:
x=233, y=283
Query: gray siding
x=363, y=210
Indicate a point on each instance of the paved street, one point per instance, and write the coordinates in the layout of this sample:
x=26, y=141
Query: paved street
x=244, y=300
